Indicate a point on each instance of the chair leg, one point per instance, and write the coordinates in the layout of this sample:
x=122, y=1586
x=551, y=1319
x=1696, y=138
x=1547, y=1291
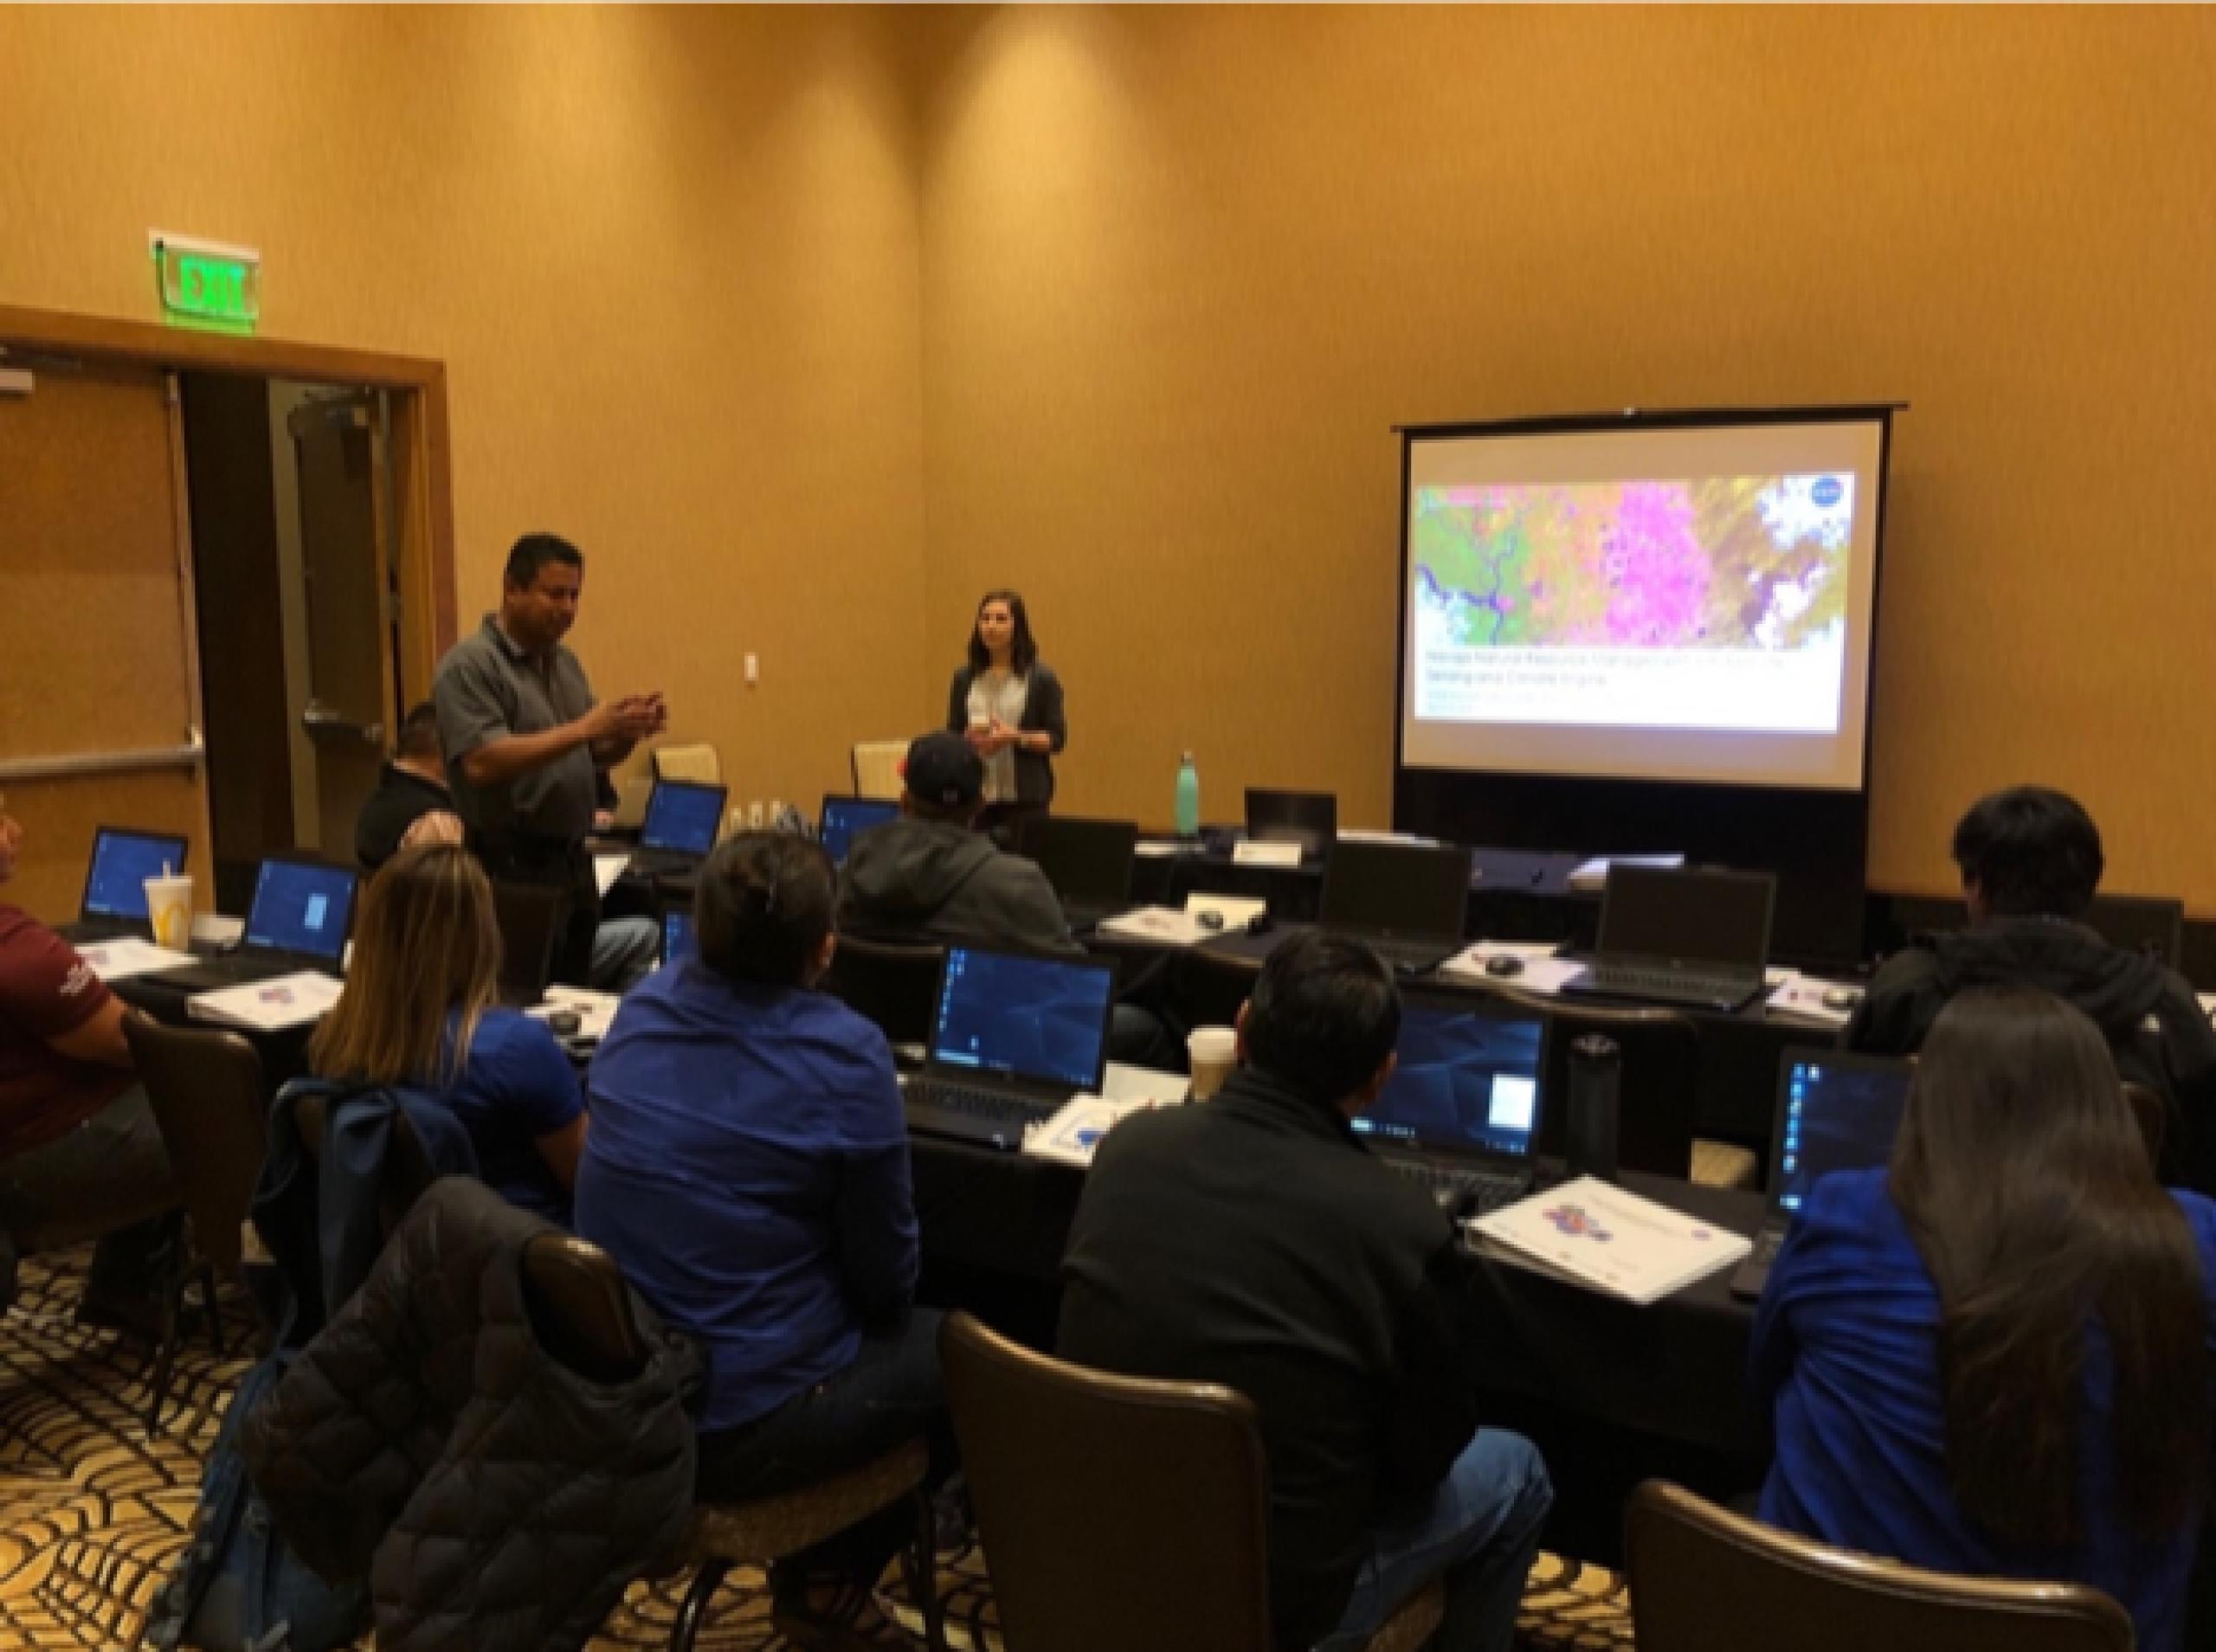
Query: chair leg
x=920, y=1563
x=214, y=1314
x=165, y=1354
x=694, y=1611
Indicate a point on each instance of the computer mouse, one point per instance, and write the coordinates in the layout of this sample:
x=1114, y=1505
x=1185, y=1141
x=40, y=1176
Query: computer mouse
x=565, y=1024
x=1842, y=998
x=1503, y=964
x=1209, y=920
x=1260, y=923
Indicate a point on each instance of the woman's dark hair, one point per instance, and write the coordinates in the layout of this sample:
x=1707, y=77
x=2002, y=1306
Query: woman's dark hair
x=1324, y=1016
x=2027, y=1185
x=764, y=907
x=2032, y=852
x=1022, y=649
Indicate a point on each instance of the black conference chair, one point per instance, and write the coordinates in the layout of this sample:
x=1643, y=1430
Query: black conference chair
x=1661, y=1079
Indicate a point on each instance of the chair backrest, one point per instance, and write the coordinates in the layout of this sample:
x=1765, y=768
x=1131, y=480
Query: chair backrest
x=1705, y=1580
x=205, y=1087
x=893, y=983
x=581, y=1307
x=533, y=918
x=877, y=768
x=1661, y=1080
x=698, y=763
x=1119, y=1513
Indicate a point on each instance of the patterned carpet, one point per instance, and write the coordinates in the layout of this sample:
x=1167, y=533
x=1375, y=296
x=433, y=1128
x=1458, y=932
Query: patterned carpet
x=93, y=1512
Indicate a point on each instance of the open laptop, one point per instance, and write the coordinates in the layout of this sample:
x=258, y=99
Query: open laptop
x=683, y=818
x=1309, y=819
x=1462, y=1111
x=303, y=912
x=1405, y=902
x=1088, y=862
x=114, y=902
x=1014, y=1036
x=1676, y=936
x=845, y=817
x=2146, y=924
x=676, y=933
x=1834, y=1112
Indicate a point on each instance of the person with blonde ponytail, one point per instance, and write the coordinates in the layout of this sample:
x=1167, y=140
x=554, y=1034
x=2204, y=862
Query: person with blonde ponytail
x=418, y=1013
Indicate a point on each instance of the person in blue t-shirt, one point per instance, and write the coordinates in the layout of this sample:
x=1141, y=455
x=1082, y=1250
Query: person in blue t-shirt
x=748, y=1169
x=1995, y=1357
x=417, y=1012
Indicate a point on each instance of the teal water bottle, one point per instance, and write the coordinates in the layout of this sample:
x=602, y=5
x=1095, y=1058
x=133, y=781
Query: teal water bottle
x=1189, y=798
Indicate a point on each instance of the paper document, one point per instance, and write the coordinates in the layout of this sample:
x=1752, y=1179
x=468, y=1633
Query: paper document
x=1123, y=1083
x=1593, y=1234
x=606, y=869
x=593, y=1010
x=1237, y=911
x=1071, y=1135
x=121, y=959
x=214, y=929
x=1163, y=848
x=1249, y=852
x=295, y=1001
x=1593, y=874
x=1802, y=996
x=1163, y=925
x=1361, y=834
x=1542, y=973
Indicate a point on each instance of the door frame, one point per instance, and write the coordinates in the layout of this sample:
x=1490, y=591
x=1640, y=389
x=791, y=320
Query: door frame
x=422, y=453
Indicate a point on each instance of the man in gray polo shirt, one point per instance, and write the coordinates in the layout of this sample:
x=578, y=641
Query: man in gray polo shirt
x=525, y=743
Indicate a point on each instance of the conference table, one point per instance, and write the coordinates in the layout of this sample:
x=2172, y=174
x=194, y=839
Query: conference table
x=1609, y=1391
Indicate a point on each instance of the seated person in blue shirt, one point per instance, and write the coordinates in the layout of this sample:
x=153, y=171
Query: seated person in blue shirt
x=1994, y=1357
x=417, y=1012
x=749, y=1171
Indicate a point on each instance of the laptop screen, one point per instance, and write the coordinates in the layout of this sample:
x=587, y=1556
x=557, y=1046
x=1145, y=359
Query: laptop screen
x=1021, y=1017
x=1716, y=917
x=1309, y=819
x=115, y=886
x=1466, y=1081
x=1396, y=889
x=299, y=906
x=683, y=816
x=1836, y=1113
x=676, y=935
x=1084, y=860
x=843, y=817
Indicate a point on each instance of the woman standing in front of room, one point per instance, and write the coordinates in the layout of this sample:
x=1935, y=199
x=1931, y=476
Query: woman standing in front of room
x=1009, y=704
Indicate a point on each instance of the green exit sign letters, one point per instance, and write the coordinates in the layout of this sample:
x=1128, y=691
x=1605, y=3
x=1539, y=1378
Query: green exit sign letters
x=207, y=284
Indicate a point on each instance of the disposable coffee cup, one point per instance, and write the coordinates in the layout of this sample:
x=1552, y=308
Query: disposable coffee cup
x=1213, y=1052
x=169, y=910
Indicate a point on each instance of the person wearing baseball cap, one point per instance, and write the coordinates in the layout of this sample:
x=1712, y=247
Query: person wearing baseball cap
x=930, y=876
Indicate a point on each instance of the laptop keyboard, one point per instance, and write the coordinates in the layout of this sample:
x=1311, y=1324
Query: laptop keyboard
x=1471, y=1192
x=984, y=1104
x=1648, y=981
x=662, y=863
x=1413, y=956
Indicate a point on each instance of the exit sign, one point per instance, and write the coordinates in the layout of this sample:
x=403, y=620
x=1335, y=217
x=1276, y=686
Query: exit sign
x=207, y=284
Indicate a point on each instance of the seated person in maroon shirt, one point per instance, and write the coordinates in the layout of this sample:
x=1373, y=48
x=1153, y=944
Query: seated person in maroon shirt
x=77, y=1134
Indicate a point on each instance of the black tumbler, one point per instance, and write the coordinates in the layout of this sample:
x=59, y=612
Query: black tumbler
x=1596, y=1072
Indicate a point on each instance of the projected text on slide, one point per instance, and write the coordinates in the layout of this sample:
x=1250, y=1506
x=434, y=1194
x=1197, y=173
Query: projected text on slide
x=1718, y=602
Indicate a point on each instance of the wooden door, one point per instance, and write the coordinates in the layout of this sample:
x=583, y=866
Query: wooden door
x=352, y=610
x=98, y=703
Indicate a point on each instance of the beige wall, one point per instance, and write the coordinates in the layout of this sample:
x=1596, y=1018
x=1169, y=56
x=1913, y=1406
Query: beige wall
x=1182, y=269
x=669, y=256
x=811, y=324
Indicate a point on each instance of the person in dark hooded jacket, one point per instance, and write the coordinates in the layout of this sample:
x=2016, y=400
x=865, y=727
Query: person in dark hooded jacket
x=2030, y=860
x=930, y=876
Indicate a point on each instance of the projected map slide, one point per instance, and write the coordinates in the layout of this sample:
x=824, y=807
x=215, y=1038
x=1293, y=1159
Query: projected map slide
x=1718, y=602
